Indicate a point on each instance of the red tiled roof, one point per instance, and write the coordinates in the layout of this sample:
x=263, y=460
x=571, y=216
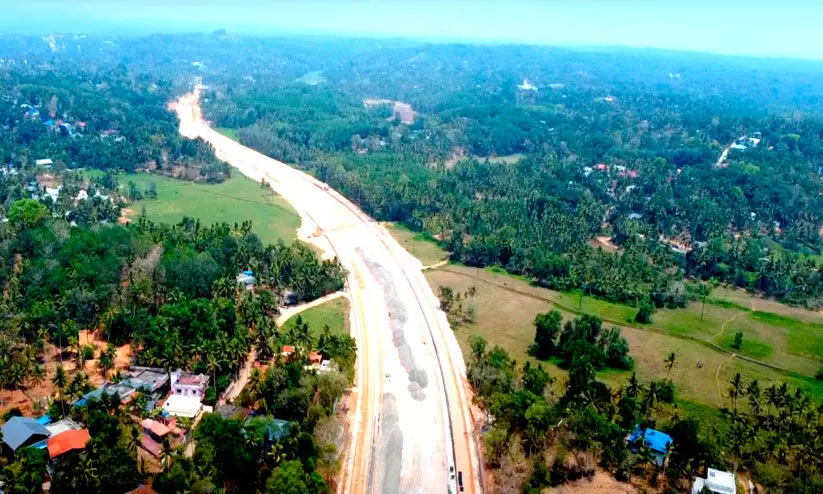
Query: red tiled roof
x=150, y=445
x=196, y=380
x=315, y=357
x=288, y=349
x=143, y=489
x=67, y=441
x=155, y=427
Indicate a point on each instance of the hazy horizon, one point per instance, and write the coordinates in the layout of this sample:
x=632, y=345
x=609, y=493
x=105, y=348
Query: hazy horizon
x=730, y=28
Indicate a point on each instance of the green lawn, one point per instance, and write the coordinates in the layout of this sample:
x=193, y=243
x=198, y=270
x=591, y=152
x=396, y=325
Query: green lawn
x=419, y=245
x=506, y=306
x=233, y=201
x=334, y=313
x=230, y=133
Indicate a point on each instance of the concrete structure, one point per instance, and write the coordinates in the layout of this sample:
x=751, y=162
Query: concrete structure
x=62, y=426
x=187, y=384
x=183, y=406
x=717, y=481
x=149, y=379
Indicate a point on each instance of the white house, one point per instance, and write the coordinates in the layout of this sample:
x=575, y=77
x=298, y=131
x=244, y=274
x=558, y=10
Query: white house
x=717, y=482
x=246, y=278
x=187, y=384
x=44, y=162
x=54, y=193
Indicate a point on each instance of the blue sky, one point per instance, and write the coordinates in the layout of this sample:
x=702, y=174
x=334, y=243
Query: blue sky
x=777, y=28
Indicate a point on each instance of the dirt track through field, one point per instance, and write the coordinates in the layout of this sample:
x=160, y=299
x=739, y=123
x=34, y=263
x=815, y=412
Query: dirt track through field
x=410, y=422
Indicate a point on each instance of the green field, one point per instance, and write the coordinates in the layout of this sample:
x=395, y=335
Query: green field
x=506, y=306
x=230, y=133
x=312, y=78
x=334, y=313
x=419, y=245
x=232, y=201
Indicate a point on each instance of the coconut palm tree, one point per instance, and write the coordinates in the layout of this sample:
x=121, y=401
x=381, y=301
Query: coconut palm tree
x=37, y=377
x=736, y=390
x=214, y=362
x=60, y=381
x=225, y=287
x=669, y=363
x=772, y=398
x=633, y=387
x=88, y=471
x=132, y=439
x=754, y=397
x=106, y=360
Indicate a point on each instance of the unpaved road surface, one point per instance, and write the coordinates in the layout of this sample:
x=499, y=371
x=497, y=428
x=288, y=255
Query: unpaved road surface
x=411, y=419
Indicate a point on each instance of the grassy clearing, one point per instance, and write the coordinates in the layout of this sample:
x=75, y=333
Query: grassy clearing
x=803, y=338
x=419, y=245
x=312, y=78
x=334, y=314
x=233, y=201
x=751, y=347
x=508, y=159
x=506, y=306
x=230, y=133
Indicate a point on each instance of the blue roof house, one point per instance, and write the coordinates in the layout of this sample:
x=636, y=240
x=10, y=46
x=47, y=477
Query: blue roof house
x=20, y=432
x=658, y=442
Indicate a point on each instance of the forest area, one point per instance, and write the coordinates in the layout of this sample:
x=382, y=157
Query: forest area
x=92, y=299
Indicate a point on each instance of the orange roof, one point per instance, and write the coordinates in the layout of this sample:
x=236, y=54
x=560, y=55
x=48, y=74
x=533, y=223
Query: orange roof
x=143, y=489
x=315, y=357
x=288, y=349
x=67, y=441
x=155, y=427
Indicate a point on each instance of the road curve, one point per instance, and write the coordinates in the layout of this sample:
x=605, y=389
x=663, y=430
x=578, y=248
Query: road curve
x=411, y=421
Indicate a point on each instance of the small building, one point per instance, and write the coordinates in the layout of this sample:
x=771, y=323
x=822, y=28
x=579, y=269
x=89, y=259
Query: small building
x=658, y=442
x=246, y=278
x=287, y=351
x=53, y=192
x=152, y=438
x=716, y=481
x=44, y=162
x=148, y=379
x=183, y=406
x=122, y=389
x=70, y=440
x=20, y=432
x=315, y=358
x=187, y=384
x=62, y=426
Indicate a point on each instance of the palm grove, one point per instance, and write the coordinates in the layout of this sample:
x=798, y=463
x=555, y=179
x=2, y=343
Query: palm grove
x=546, y=432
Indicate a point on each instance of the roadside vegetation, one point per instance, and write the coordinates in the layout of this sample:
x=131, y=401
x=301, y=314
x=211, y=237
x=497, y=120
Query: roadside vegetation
x=333, y=314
